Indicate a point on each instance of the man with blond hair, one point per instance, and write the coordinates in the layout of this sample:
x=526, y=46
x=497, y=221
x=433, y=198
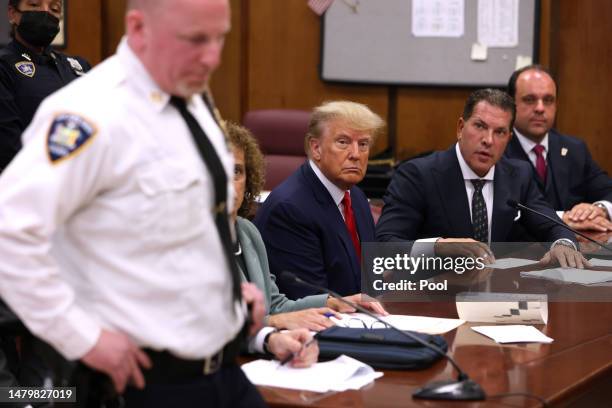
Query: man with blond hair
x=313, y=224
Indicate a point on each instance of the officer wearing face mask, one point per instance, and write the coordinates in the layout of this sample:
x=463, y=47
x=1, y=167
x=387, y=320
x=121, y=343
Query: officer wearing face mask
x=30, y=70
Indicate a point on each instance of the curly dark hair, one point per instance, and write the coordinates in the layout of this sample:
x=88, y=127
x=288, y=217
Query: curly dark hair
x=241, y=138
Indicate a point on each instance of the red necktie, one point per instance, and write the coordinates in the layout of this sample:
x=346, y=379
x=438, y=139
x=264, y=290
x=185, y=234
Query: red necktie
x=349, y=220
x=540, y=162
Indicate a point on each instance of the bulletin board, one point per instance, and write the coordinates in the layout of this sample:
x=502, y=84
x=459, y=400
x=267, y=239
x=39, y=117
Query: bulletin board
x=377, y=41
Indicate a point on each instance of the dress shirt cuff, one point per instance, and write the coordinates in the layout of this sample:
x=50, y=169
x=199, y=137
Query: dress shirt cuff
x=74, y=334
x=257, y=341
x=608, y=206
x=425, y=246
x=560, y=214
x=566, y=242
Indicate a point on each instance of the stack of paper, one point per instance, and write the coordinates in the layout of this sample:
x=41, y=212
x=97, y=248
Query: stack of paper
x=507, y=263
x=601, y=262
x=341, y=374
x=513, y=334
x=571, y=275
x=421, y=324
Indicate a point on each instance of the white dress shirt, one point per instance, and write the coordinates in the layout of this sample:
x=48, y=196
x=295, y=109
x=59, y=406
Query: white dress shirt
x=336, y=193
x=121, y=235
x=528, y=145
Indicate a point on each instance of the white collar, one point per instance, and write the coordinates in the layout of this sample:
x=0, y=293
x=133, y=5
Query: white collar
x=529, y=144
x=140, y=78
x=336, y=193
x=468, y=173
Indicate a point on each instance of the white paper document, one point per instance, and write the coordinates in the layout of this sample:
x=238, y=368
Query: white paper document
x=438, y=18
x=601, y=262
x=507, y=263
x=513, y=334
x=343, y=373
x=479, y=52
x=523, y=61
x=421, y=324
x=498, y=23
x=503, y=308
x=571, y=275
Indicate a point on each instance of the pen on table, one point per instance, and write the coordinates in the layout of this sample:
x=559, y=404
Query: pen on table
x=294, y=355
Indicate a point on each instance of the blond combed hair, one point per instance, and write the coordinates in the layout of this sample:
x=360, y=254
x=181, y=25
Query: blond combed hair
x=353, y=115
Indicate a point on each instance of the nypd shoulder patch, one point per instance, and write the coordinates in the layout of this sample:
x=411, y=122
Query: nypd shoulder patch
x=27, y=68
x=69, y=133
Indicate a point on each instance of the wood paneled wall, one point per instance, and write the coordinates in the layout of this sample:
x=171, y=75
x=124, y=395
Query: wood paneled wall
x=84, y=29
x=272, y=55
x=583, y=66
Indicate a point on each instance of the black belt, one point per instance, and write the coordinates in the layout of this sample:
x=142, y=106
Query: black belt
x=169, y=369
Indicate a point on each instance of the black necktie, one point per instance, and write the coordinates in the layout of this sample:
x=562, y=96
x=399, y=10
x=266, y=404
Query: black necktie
x=215, y=167
x=480, y=220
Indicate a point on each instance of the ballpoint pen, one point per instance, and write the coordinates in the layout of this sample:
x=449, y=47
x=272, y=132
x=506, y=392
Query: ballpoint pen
x=291, y=356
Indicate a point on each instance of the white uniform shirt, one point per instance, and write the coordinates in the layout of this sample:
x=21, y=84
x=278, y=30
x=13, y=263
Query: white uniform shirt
x=121, y=234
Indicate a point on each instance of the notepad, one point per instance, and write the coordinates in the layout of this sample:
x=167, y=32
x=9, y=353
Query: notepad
x=343, y=373
x=513, y=334
x=571, y=275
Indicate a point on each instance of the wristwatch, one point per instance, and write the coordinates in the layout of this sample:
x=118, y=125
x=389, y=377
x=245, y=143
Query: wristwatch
x=603, y=207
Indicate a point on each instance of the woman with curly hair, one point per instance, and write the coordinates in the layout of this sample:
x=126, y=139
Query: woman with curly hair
x=310, y=312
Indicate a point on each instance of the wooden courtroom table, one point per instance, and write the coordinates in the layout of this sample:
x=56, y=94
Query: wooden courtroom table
x=575, y=370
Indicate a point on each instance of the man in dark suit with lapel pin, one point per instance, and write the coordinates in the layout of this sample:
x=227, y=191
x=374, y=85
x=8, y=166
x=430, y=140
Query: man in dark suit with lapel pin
x=314, y=222
x=461, y=194
x=562, y=166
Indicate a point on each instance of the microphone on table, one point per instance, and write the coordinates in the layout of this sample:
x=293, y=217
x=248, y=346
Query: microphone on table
x=461, y=389
x=517, y=205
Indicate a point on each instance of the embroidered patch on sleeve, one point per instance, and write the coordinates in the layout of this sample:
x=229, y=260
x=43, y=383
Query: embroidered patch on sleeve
x=27, y=68
x=69, y=134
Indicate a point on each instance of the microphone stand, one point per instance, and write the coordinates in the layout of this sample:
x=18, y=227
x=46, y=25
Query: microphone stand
x=461, y=389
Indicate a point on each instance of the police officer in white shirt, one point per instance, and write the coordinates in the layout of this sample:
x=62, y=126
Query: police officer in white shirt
x=110, y=246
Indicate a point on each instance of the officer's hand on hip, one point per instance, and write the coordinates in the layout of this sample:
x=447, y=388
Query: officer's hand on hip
x=257, y=308
x=117, y=356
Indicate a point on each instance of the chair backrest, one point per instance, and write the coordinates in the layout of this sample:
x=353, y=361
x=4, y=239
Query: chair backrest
x=280, y=133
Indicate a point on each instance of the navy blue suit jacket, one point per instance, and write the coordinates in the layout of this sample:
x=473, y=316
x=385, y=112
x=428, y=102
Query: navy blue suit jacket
x=305, y=234
x=572, y=178
x=427, y=198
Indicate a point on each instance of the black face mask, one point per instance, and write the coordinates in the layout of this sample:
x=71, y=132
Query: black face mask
x=38, y=28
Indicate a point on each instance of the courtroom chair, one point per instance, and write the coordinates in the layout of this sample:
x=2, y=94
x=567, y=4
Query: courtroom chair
x=280, y=133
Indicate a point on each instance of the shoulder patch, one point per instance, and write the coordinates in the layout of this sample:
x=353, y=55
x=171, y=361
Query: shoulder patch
x=69, y=133
x=27, y=68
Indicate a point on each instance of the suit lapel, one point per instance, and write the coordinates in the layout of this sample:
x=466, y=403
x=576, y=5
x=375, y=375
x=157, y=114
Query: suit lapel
x=515, y=151
x=451, y=188
x=332, y=217
x=503, y=214
x=559, y=167
x=251, y=260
